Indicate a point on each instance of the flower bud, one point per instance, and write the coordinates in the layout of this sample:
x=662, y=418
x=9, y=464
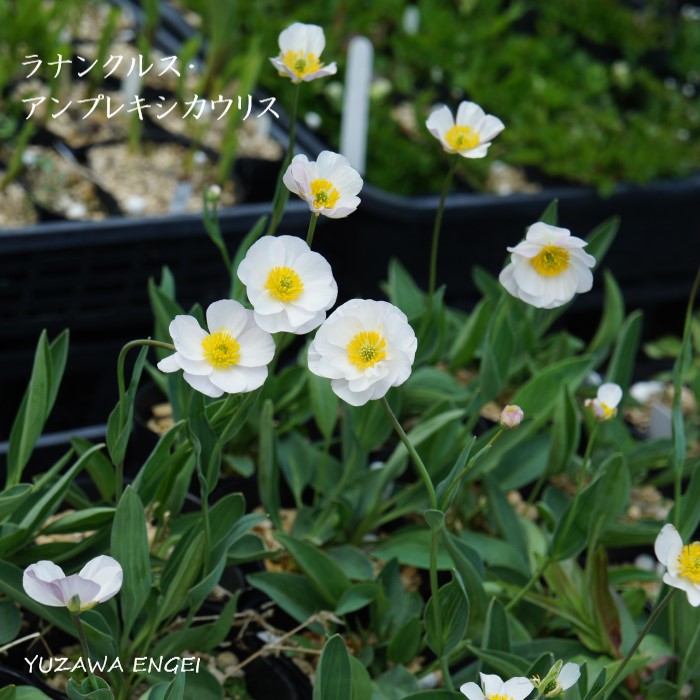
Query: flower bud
x=511, y=417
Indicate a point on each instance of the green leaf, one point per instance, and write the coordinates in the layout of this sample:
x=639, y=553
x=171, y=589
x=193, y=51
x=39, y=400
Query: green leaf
x=268, y=470
x=506, y=519
x=625, y=352
x=454, y=608
x=324, y=404
x=85, y=689
x=566, y=433
x=207, y=447
x=12, y=498
x=538, y=396
x=176, y=688
x=181, y=572
x=10, y=621
x=612, y=493
x=601, y=238
x=434, y=695
x=612, y=318
x=406, y=642
x=496, y=633
x=293, y=593
x=551, y=214
x=357, y=597
x=121, y=418
x=471, y=335
x=447, y=489
x=361, y=682
x=81, y=521
x=501, y=662
x=434, y=518
x=39, y=398
x=334, y=674
x=324, y=573
x=130, y=549
x=497, y=352
x=402, y=291
x=468, y=565
x=10, y=692
x=25, y=692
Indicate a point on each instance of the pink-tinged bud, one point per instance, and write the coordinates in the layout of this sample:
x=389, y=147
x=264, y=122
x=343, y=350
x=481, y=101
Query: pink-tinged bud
x=511, y=417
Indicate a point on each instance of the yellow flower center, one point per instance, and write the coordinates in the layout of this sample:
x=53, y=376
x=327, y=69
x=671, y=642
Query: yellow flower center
x=284, y=284
x=462, y=138
x=689, y=562
x=551, y=261
x=301, y=63
x=325, y=195
x=607, y=411
x=366, y=349
x=498, y=696
x=221, y=350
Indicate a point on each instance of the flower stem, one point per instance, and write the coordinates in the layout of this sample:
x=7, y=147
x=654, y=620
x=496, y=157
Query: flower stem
x=83, y=643
x=423, y=472
x=650, y=622
x=533, y=580
x=436, y=232
x=119, y=480
x=434, y=588
x=312, y=229
x=586, y=459
x=281, y=192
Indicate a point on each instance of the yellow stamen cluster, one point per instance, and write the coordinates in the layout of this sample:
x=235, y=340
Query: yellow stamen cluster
x=551, y=261
x=301, y=63
x=325, y=194
x=499, y=697
x=689, y=562
x=221, y=350
x=366, y=349
x=284, y=284
x=462, y=138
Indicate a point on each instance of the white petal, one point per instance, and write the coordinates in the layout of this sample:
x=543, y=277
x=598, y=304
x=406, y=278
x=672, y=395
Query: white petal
x=668, y=545
x=440, y=121
x=329, y=69
x=76, y=586
x=227, y=314
x=46, y=571
x=491, y=683
x=239, y=379
x=43, y=591
x=200, y=367
x=469, y=114
x=478, y=152
x=517, y=688
x=569, y=674
x=107, y=573
x=257, y=345
x=187, y=336
x=360, y=398
x=202, y=384
x=610, y=394
x=472, y=691
x=490, y=127
x=169, y=364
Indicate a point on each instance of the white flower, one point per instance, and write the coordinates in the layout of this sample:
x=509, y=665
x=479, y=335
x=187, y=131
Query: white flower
x=511, y=417
x=289, y=286
x=470, y=134
x=231, y=358
x=682, y=562
x=604, y=405
x=329, y=185
x=495, y=689
x=364, y=347
x=99, y=580
x=300, y=48
x=560, y=677
x=569, y=675
x=548, y=267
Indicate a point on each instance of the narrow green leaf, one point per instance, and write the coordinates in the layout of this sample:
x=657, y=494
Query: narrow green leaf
x=324, y=404
x=356, y=597
x=454, y=607
x=268, y=470
x=624, y=354
x=130, y=549
x=293, y=593
x=334, y=674
x=324, y=573
x=496, y=633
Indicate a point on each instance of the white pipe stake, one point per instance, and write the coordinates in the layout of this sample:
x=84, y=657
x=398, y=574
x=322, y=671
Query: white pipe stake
x=353, y=127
